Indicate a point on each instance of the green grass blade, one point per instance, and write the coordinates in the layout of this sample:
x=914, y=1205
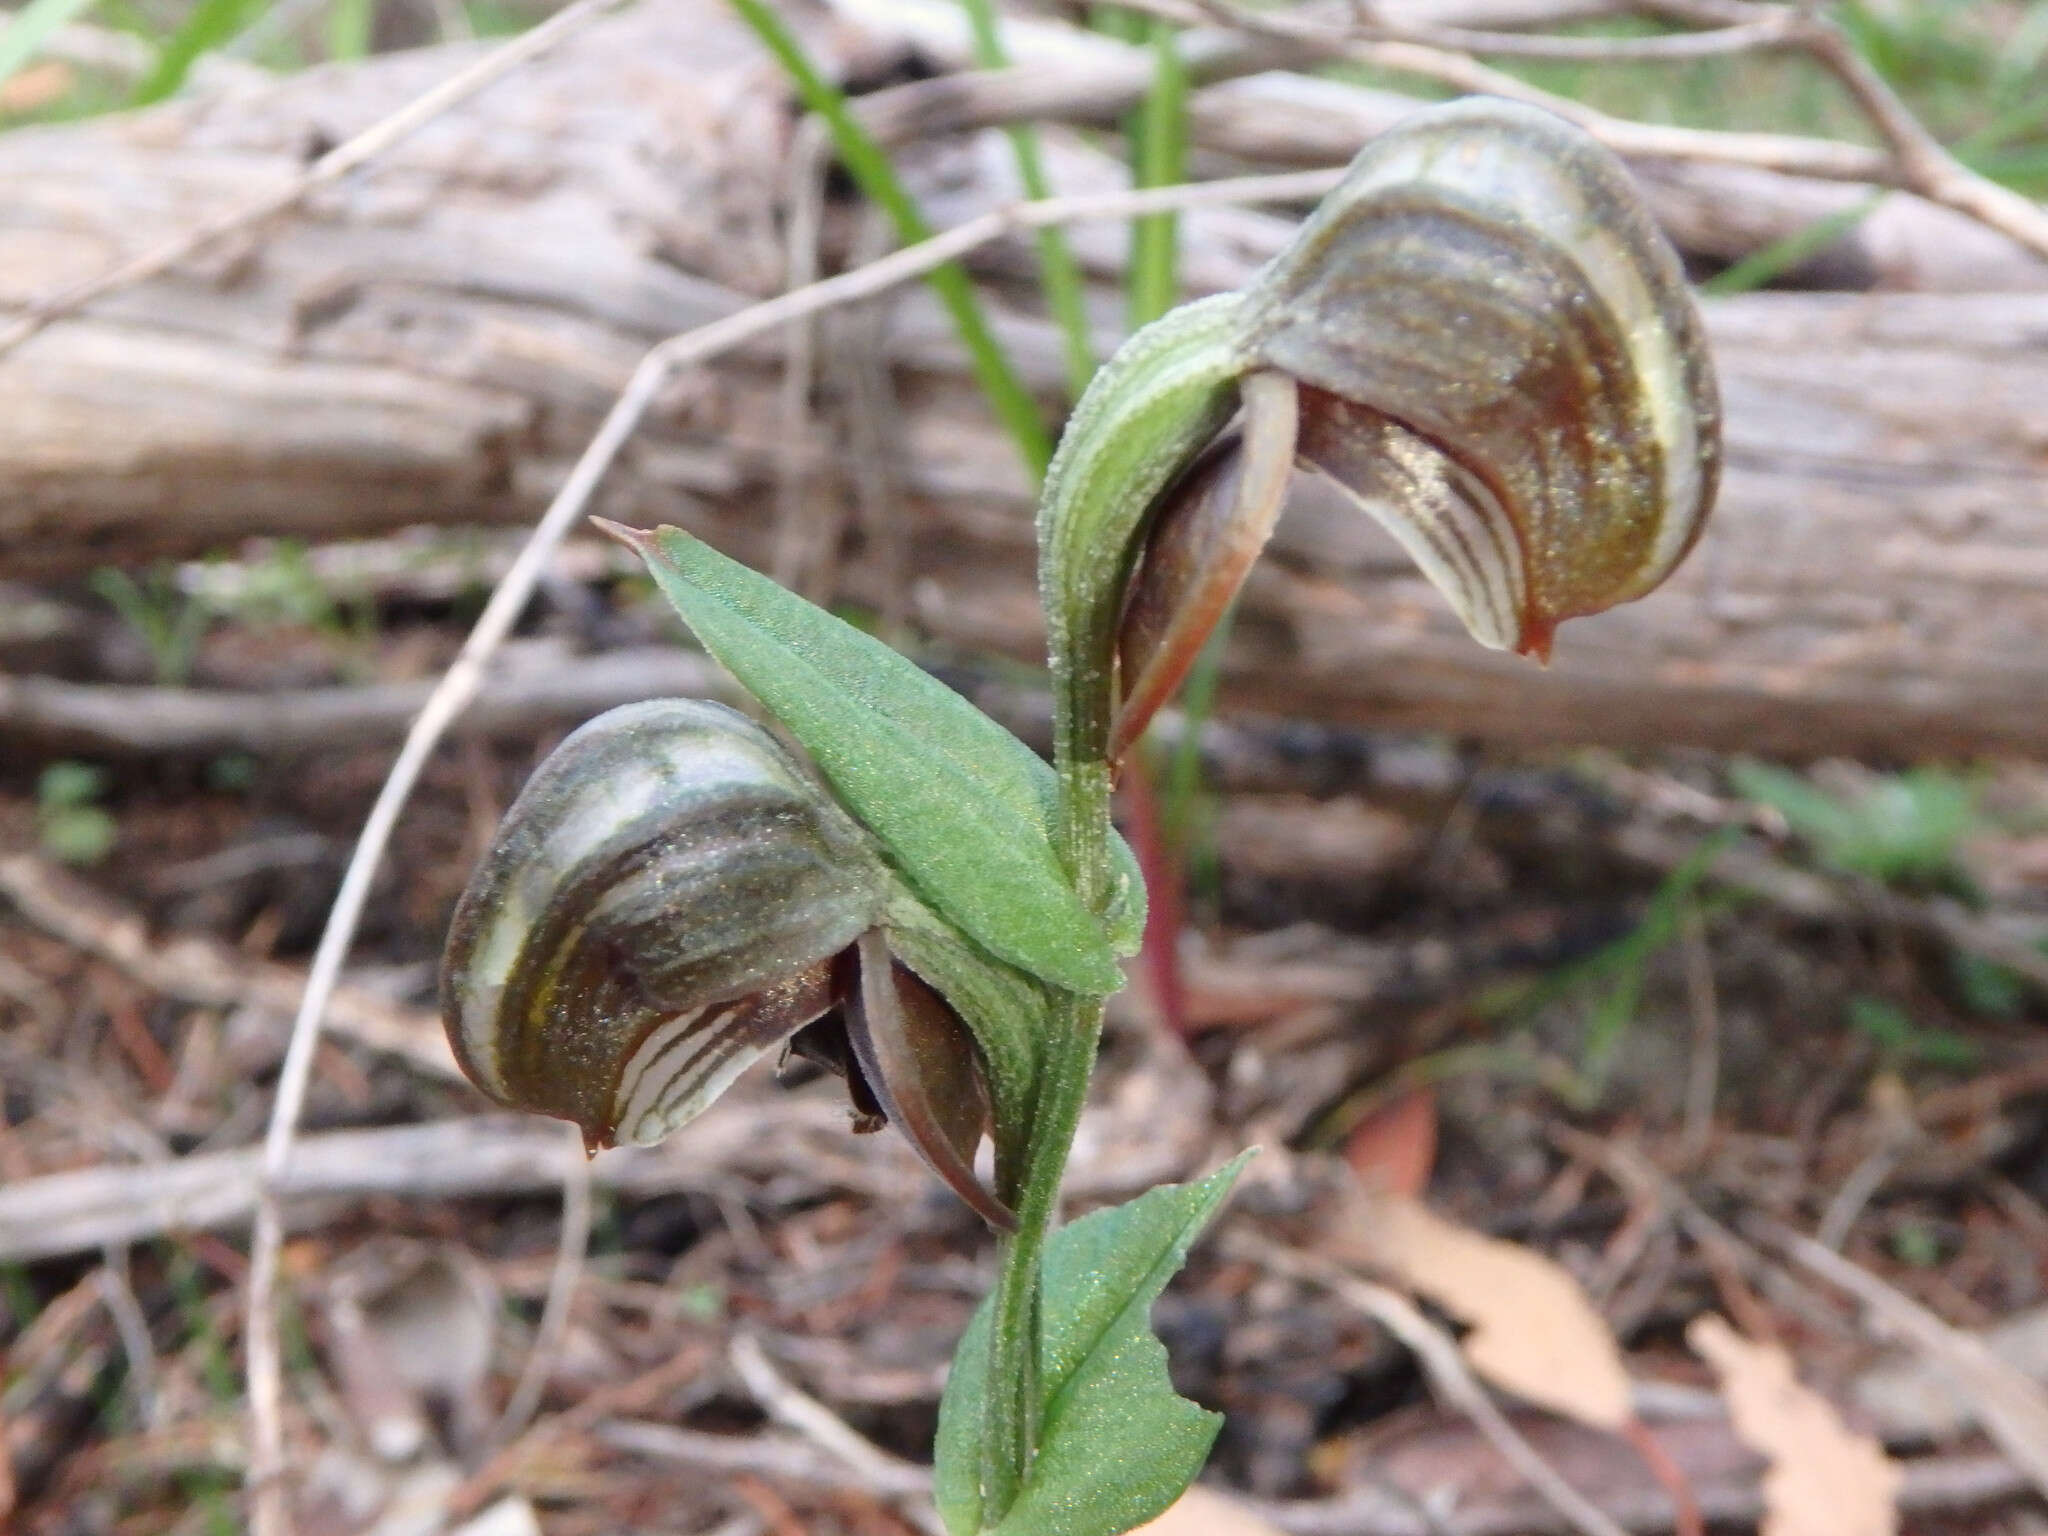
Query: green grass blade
x=1058, y=271
x=1158, y=158
x=1782, y=255
x=212, y=24
x=31, y=28
x=870, y=168
x=349, y=24
x=1183, y=795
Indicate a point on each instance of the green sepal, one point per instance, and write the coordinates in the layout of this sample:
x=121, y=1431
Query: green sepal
x=1148, y=413
x=1116, y=1443
x=960, y=806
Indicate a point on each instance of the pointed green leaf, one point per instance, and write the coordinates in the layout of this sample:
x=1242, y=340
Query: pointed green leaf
x=1117, y=1444
x=961, y=806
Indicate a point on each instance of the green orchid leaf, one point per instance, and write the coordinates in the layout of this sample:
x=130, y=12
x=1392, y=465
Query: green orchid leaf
x=961, y=806
x=1116, y=1443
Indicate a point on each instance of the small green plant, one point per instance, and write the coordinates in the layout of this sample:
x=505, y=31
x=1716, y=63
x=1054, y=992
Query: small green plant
x=283, y=589
x=1902, y=1043
x=1610, y=981
x=1479, y=336
x=70, y=823
x=168, y=620
x=1986, y=988
x=1916, y=1245
x=1901, y=829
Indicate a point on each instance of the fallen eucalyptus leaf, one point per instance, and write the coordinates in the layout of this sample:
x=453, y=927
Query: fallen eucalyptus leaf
x=1825, y=1480
x=1533, y=1331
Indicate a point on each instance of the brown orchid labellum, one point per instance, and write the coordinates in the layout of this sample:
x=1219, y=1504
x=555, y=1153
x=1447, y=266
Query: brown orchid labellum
x=671, y=898
x=1481, y=337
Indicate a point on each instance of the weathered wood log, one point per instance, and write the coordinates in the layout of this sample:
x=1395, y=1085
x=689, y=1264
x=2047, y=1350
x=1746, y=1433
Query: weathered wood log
x=435, y=341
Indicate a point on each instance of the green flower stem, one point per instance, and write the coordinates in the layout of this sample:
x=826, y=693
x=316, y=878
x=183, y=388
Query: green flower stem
x=1147, y=413
x=1058, y=272
x=1014, y=1407
x=869, y=166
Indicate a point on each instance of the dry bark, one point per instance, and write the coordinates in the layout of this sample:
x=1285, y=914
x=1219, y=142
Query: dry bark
x=435, y=340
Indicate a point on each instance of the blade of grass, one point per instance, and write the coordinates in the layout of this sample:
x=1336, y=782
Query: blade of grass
x=349, y=24
x=1782, y=255
x=1158, y=156
x=211, y=25
x=31, y=27
x=877, y=179
x=1183, y=798
x=1058, y=271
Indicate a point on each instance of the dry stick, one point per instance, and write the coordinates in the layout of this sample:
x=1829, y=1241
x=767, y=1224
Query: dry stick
x=205, y=971
x=332, y=166
x=460, y=683
x=1917, y=161
x=2008, y=1407
x=570, y=1250
x=797, y=1410
x=1823, y=159
x=133, y=1330
x=784, y=1458
x=810, y=157
x=1447, y=1371
x=1744, y=36
x=1930, y=169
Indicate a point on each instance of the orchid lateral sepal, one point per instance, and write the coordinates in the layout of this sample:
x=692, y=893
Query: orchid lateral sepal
x=1208, y=531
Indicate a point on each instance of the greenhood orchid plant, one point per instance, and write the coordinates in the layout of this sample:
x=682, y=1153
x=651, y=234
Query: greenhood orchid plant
x=1484, y=341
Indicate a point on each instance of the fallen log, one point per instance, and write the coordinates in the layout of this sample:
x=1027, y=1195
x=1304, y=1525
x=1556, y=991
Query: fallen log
x=436, y=339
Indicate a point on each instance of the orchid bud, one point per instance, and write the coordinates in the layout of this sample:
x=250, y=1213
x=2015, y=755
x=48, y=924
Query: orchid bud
x=1481, y=337
x=671, y=898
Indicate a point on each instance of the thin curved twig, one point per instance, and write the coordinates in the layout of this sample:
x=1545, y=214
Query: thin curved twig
x=795, y=1409
x=1447, y=1372
x=459, y=685
x=571, y=1247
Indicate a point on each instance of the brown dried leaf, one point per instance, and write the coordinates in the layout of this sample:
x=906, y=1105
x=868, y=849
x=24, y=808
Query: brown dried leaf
x=1825, y=1480
x=1534, y=1332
